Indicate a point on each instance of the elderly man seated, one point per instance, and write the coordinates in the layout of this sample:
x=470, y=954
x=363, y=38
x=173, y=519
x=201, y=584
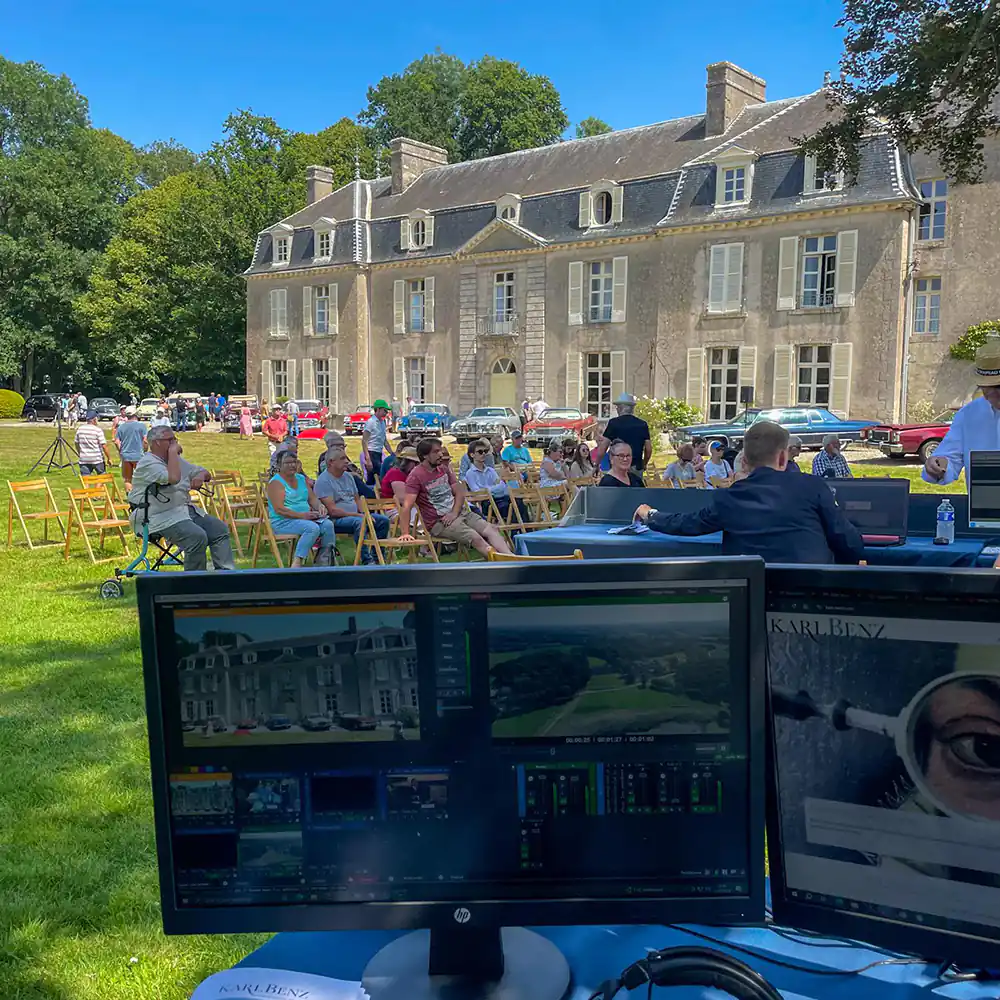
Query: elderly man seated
x=830, y=463
x=337, y=490
x=168, y=478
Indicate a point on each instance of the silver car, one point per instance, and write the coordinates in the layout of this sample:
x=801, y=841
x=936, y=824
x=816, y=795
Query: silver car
x=485, y=421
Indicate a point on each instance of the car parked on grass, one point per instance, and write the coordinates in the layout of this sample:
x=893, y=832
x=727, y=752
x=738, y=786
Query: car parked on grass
x=312, y=414
x=810, y=423
x=315, y=723
x=898, y=441
x=485, y=421
x=231, y=413
x=560, y=423
x=425, y=420
x=354, y=423
x=43, y=406
x=147, y=408
x=278, y=722
x=105, y=407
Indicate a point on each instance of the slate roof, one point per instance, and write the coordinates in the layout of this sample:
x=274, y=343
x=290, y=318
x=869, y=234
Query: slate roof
x=667, y=171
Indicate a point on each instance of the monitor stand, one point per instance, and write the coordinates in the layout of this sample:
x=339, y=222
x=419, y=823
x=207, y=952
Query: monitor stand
x=464, y=963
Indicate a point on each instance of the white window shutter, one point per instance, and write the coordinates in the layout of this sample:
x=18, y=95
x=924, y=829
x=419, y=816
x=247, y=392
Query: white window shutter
x=841, y=362
x=748, y=368
x=266, y=381
x=576, y=293
x=847, y=266
x=308, y=379
x=788, y=255
x=695, y=395
x=720, y=185
x=333, y=311
x=809, y=174
x=307, y=311
x=619, y=288
x=784, y=371
x=617, y=374
x=429, y=230
x=734, y=277
x=717, y=278
x=617, y=203
x=585, y=210
x=292, y=387
x=334, y=385
x=404, y=234
x=399, y=378
x=429, y=306
x=272, y=323
x=399, y=307
x=430, y=379
x=574, y=379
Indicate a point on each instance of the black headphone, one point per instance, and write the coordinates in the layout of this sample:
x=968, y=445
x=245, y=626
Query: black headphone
x=691, y=967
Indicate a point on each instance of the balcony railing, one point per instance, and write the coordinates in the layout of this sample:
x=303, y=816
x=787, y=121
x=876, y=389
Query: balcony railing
x=499, y=325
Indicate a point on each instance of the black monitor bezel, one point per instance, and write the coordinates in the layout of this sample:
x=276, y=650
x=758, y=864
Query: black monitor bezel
x=893, y=935
x=401, y=580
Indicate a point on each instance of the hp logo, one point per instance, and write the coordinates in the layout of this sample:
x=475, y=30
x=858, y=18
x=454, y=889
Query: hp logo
x=462, y=915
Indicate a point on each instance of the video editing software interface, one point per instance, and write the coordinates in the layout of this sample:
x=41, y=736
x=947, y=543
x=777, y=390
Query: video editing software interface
x=484, y=745
x=887, y=741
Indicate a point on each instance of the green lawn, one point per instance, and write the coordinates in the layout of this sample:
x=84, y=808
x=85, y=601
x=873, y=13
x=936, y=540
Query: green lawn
x=79, y=908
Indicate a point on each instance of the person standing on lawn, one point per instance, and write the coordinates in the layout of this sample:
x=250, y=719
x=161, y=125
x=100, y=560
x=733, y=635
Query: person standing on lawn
x=200, y=415
x=373, y=440
x=292, y=413
x=275, y=429
x=130, y=440
x=92, y=447
x=246, y=423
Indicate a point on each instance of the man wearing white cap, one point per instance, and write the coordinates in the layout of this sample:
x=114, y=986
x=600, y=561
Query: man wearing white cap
x=627, y=427
x=976, y=426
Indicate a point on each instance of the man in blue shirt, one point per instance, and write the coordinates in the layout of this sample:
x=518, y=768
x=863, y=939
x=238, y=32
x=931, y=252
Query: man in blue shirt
x=782, y=519
x=130, y=440
x=516, y=454
x=830, y=463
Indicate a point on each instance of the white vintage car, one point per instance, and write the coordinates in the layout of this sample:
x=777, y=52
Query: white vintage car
x=485, y=421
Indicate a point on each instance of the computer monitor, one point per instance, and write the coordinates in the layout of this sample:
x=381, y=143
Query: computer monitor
x=459, y=749
x=984, y=490
x=877, y=507
x=884, y=818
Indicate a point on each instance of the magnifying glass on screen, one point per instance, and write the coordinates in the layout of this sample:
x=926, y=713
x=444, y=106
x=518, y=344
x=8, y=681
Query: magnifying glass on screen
x=947, y=736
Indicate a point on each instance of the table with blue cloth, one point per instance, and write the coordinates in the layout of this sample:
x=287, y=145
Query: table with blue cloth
x=598, y=953
x=595, y=543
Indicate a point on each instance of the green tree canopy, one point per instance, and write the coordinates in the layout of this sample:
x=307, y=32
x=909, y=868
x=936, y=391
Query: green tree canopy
x=160, y=160
x=334, y=147
x=592, y=126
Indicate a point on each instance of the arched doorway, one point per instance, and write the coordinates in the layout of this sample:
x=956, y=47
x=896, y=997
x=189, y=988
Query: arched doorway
x=503, y=384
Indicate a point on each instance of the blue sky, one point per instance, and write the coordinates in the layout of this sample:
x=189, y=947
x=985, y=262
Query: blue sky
x=154, y=71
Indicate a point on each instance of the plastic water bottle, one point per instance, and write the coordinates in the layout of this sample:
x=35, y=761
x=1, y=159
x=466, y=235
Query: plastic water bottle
x=946, y=521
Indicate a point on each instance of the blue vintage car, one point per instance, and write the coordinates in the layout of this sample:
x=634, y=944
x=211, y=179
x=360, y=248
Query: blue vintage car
x=425, y=419
x=810, y=423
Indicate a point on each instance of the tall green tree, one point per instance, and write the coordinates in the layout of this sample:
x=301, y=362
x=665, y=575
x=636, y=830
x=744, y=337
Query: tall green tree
x=420, y=103
x=159, y=160
x=592, y=126
x=504, y=108
x=334, y=147
x=929, y=69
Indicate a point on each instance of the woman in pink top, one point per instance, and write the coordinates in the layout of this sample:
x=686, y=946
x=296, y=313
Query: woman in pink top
x=246, y=423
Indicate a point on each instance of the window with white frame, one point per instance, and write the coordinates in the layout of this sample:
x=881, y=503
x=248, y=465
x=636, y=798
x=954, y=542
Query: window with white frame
x=331, y=675
x=418, y=233
x=734, y=170
x=601, y=291
x=819, y=271
x=331, y=702
x=723, y=382
x=321, y=368
x=324, y=242
x=282, y=249
x=927, y=306
x=416, y=379
x=321, y=309
x=817, y=179
x=734, y=184
x=279, y=376
x=598, y=374
x=279, y=312
x=813, y=375
x=414, y=698
x=508, y=212
x=509, y=207
x=385, y=705
x=602, y=208
x=933, y=209
x=416, y=303
x=503, y=296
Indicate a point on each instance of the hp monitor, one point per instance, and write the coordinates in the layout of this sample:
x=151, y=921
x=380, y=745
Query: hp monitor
x=885, y=818
x=458, y=749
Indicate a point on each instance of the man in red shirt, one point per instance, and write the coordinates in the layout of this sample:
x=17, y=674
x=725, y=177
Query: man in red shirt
x=275, y=429
x=440, y=497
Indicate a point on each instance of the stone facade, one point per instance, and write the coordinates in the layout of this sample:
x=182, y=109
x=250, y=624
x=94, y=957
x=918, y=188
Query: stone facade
x=691, y=258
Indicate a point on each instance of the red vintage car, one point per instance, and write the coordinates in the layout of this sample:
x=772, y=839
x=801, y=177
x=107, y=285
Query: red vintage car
x=900, y=440
x=312, y=415
x=560, y=423
x=354, y=423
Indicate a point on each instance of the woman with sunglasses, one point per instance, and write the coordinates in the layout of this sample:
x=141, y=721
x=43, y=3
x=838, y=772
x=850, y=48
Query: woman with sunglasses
x=551, y=471
x=581, y=465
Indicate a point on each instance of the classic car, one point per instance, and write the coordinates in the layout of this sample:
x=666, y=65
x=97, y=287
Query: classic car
x=425, y=419
x=354, y=423
x=105, y=407
x=560, y=423
x=810, y=423
x=899, y=440
x=44, y=406
x=147, y=408
x=357, y=722
x=231, y=412
x=484, y=421
x=312, y=414
x=315, y=723
x=278, y=722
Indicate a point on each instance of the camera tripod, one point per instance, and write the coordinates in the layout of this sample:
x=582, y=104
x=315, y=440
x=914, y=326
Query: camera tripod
x=60, y=453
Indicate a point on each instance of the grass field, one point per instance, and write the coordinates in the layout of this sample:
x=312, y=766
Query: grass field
x=79, y=907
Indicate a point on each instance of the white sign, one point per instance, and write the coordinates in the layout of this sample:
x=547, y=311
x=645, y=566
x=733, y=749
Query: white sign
x=275, y=984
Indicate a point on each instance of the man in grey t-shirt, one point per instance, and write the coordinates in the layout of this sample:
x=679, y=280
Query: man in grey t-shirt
x=337, y=490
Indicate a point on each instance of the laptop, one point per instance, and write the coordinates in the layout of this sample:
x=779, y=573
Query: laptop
x=983, y=475
x=878, y=508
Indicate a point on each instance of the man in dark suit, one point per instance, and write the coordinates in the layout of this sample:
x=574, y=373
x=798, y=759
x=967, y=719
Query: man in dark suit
x=783, y=519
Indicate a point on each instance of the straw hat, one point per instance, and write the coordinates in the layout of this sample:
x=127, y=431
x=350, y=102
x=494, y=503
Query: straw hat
x=988, y=363
x=409, y=455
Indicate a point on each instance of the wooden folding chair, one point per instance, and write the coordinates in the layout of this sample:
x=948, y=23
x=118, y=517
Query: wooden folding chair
x=239, y=506
x=93, y=510
x=50, y=513
x=274, y=541
x=581, y=482
x=383, y=547
x=537, y=499
x=493, y=556
x=721, y=482
x=107, y=481
x=227, y=477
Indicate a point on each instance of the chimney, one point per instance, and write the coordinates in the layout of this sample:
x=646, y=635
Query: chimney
x=319, y=183
x=730, y=90
x=408, y=159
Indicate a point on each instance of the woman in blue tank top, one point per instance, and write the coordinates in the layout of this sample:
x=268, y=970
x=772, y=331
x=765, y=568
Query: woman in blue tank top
x=294, y=510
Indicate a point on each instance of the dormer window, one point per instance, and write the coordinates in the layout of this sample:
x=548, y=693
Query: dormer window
x=734, y=177
x=281, y=237
x=817, y=181
x=734, y=184
x=323, y=239
x=416, y=232
x=509, y=208
x=601, y=205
